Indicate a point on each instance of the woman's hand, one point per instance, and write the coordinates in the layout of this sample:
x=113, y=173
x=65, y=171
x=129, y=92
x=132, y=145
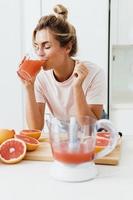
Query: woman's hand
x=29, y=83
x=29, y=76
x=80, y=73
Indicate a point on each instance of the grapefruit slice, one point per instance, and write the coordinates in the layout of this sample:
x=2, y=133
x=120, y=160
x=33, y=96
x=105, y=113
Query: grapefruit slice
x=101, y=143
x=12, y=151
x=104, y=134
x=30, y=142
x=32, y=133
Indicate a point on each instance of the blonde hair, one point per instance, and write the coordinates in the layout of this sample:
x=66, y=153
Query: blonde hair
x=62, y=30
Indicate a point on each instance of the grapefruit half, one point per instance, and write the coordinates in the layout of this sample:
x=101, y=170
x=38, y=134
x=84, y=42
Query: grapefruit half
x=6, y=134
x=101, y=143
x=32, y=133
x=104, y=134
x=30, y=142
x=12, y=151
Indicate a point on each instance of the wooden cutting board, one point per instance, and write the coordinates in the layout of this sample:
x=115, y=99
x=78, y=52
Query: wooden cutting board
x=44, y=153
x=113, y=158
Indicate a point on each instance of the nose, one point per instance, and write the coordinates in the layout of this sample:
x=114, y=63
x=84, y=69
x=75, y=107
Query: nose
x=40, y=52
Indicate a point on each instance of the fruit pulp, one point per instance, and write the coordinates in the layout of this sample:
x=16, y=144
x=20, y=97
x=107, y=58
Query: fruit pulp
x=32, y=133
x=101, y=143
x=64, y=154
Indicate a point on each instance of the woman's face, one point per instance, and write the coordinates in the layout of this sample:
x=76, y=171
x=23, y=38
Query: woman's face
x=48, y=48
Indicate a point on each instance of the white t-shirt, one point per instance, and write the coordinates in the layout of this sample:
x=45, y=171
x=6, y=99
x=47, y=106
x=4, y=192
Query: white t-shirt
x=59, y=95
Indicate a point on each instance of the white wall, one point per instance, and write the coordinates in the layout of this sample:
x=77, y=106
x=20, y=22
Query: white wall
x=31, y=13
x=17, y=20
x=11, y=114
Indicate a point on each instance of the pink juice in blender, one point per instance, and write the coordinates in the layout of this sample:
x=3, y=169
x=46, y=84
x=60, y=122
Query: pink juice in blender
x=64, y=154
x=73, y=144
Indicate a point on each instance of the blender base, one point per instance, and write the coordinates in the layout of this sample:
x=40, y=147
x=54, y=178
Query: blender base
x=73, y=172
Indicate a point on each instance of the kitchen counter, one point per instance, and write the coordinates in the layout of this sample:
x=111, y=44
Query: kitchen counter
x=30, y=180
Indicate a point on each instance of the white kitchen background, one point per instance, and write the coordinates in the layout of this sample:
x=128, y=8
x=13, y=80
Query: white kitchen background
x=18, y=19
x=121, y=65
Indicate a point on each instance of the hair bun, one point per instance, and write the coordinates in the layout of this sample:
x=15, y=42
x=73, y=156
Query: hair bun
x=61, y=11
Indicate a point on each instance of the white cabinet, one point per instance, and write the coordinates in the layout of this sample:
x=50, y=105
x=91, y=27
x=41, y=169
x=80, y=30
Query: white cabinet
x=121, y=65
x=122, y=22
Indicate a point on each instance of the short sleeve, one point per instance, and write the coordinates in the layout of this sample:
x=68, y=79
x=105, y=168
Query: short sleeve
x=39, y=91
x=97, y=91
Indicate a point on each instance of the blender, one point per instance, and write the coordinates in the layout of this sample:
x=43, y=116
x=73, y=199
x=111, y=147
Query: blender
x=73, y=144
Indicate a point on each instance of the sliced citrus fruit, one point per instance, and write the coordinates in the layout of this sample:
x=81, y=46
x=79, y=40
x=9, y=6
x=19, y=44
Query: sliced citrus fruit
x=12, y=150
x=104, y=134
x=101, y=143
x=6, y=134
x=31, y=133
x=30, y=142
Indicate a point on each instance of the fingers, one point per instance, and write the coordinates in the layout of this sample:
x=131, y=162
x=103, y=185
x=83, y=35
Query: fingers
x=80, y=68
x=77, y=62
x=22, y=60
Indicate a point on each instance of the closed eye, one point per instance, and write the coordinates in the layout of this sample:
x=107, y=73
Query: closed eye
x=47, y=47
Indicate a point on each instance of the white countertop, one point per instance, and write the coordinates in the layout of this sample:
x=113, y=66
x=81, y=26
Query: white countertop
x=30, y=180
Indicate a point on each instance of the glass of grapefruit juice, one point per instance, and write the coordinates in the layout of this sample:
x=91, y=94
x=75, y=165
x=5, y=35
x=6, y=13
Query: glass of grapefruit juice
x=29, y=66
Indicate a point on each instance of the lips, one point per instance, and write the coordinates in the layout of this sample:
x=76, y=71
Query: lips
x=45, y=66
x=43, y=58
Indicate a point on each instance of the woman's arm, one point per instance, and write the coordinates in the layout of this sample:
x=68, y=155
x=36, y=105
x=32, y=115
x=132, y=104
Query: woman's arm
x=34, y=111
x=81, y=105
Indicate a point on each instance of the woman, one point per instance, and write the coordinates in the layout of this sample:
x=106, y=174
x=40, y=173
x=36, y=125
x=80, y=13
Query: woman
x=68, y=87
